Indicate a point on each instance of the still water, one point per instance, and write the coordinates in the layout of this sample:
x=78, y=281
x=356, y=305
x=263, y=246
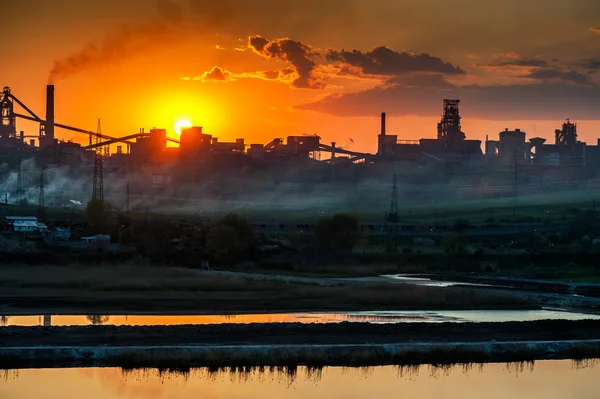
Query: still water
x=544, y=380
x=382, y=317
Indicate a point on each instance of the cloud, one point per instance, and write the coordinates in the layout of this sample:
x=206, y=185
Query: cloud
x=554, y=74
x=595, y=29
x=216, y=74
x=387, y=62
x=534, y=62
x=590, y=63
x=542, y=101
x=298, y=54
x=310, y=68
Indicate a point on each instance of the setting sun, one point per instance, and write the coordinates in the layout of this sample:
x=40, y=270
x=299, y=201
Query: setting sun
x=182, y=124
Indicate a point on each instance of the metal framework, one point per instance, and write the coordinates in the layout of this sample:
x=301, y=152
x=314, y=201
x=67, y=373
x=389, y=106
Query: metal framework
x=98, y=185
x=393, y=215
x=449, y=127
x=568, y=135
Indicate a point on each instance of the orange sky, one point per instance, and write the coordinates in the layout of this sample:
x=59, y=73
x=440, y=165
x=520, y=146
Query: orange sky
x=127, y=63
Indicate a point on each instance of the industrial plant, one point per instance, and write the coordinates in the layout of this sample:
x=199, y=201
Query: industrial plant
x=423, y=168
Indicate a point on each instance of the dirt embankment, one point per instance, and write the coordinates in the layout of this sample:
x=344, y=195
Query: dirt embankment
x=295, y=333
x=292, y=345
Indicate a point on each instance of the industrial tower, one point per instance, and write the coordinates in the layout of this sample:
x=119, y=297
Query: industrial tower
x=393, y=215
x=449, y=127
x=98, y=186
x=8, y=126
x=568, y=135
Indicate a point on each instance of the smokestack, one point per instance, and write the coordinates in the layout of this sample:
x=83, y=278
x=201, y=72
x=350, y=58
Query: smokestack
x=383, y=123
x=50, y=113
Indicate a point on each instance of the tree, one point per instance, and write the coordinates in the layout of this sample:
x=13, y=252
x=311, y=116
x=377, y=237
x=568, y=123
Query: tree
x=240, y=225
x=339, y=232
x=461, y=225
x=230, y=238
x=96, y=213
x=97, y=319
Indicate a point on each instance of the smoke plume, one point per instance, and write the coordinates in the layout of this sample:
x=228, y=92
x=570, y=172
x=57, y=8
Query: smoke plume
x=125, y=41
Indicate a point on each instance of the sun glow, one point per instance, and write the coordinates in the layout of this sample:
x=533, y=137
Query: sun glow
x=182, y=124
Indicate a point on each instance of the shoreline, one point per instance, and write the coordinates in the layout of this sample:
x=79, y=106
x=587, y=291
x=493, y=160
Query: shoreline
x=291, y=356
x=297, y=333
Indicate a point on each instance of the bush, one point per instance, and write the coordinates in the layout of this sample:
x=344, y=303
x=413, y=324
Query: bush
x=455, y=244
x=96, y=213
x=461, y=225
x=337, y=233
x=230, y=238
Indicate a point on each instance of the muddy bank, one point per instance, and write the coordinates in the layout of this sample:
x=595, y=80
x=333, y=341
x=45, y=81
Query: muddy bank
x=297, y=334
x=219, y=356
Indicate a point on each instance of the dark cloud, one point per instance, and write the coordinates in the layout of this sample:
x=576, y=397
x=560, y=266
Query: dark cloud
x=554, y=74
x=296, y=53
x=521, y=63
x=387, y=62
x=543, y=101
x=590, y=63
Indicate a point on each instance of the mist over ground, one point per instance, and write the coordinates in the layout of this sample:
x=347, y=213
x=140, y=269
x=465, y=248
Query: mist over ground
x=295, y=194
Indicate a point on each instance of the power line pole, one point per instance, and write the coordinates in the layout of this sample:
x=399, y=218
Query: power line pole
x=98, y=184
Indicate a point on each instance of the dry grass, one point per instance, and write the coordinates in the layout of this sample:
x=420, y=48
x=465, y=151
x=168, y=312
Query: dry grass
x=293, y=357
x=408, y=296
x=94, y=284
x=116, y=278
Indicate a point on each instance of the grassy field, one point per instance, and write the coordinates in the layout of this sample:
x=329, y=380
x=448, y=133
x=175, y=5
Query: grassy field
x=132, y=288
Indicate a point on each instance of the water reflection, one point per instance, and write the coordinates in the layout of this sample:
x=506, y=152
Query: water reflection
x=97, y=319
x=377, y=317
x=544, y=379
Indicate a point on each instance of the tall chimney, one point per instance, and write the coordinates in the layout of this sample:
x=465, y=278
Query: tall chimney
x=383, y=123
x=50, y=113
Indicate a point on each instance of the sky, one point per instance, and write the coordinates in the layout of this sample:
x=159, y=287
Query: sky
x=263, y=69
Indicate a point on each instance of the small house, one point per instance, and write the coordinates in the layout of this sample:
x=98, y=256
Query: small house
x=10, y=220
x=25, y=226
x=100, y=241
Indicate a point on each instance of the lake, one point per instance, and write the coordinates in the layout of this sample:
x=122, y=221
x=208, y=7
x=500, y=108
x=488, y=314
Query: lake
x=380, y=317
x=542, y=380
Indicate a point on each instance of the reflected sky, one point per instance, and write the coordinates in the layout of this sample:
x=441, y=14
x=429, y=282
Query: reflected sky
x=378, y=317
x=546, y=379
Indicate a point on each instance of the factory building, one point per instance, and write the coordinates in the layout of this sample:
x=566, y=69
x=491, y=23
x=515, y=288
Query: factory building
x=450, y=146
x=512, y=148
